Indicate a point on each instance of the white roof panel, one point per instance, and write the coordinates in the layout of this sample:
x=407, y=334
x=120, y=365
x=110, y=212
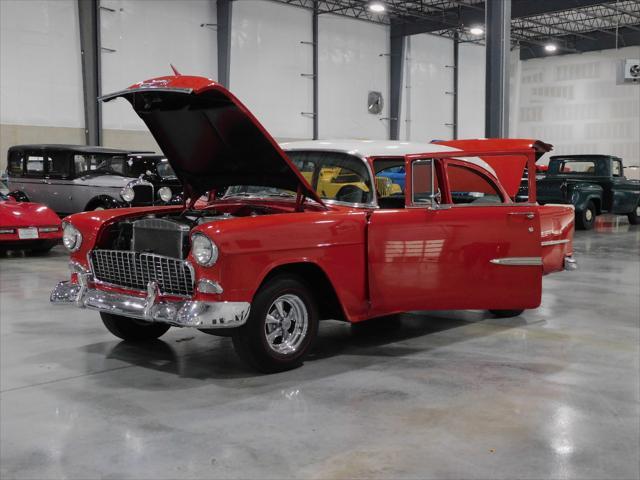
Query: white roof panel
x=369, y=148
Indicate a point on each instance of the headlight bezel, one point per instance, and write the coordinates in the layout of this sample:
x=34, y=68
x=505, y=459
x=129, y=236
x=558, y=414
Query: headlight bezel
x=207, y=260
x=162, y=190
x=70, y=231
x=128, y=191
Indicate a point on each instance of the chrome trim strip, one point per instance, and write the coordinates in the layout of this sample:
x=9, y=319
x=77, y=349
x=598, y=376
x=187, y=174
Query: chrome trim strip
x=190, y=313
x=554, y=242
x=517, y=261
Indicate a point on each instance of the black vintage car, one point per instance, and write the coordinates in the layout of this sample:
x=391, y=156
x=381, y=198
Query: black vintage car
x=594, y=184
x=75, y=178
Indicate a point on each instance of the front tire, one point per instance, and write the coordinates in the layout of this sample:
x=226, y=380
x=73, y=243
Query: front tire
x=634, y=217
x=132, y=330
x=281, y=328
x=506, y=313
x=587, y=217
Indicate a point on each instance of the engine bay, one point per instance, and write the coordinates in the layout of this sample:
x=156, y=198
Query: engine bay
x=168, y=234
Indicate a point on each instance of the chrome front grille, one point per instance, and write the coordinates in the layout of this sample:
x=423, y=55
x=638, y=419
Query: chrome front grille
x=135, y=270
x=143, y=194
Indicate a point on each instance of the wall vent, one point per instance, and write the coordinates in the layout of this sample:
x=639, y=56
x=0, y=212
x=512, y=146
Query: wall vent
x=629, y=71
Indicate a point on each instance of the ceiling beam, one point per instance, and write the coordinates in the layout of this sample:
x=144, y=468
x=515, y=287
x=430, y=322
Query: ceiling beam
x=474, y=14
x=602, y=41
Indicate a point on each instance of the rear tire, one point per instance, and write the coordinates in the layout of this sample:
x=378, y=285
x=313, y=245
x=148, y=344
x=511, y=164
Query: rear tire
x=634, y=217
x=506, y=313
x=281, y=328
x=133, y=330
x=586, y=218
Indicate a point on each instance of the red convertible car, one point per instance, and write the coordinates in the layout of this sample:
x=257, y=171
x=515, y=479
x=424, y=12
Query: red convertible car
x=28, y=226
x=305, y=231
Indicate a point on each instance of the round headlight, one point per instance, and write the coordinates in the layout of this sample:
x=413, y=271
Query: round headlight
x=165, y=194
x=127, y=194
x=204, y=251
x=71, y=237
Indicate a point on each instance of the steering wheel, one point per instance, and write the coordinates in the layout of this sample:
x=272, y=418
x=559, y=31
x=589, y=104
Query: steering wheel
x=351, y=194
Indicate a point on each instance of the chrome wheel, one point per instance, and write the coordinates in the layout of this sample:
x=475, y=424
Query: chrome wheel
x=588, y=215
x=286, y=324
x=638, y=210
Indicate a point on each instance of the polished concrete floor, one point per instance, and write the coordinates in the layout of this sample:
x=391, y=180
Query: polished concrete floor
x=552, y=394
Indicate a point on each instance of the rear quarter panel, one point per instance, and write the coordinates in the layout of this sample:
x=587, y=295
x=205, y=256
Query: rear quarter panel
x=556, y=235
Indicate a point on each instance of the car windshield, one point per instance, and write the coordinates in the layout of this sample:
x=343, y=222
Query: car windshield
x=164, y=169
x=127, y=166
x=334, y=176
x=566, y=166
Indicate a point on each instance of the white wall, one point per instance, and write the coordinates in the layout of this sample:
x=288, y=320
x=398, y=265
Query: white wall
x=267, y=60
x=353, y=60
x=573, y=102
x=40, y=74
x=428, y=76
x=471, y=90
x=148, y=36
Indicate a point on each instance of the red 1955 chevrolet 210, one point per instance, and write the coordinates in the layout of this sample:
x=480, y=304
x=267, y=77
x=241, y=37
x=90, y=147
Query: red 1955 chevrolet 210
x=294, y=233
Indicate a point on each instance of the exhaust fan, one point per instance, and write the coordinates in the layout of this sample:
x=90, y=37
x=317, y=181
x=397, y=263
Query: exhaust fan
x=629, y=71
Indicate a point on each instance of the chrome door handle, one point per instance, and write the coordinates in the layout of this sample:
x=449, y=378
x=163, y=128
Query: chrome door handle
x=529, y=215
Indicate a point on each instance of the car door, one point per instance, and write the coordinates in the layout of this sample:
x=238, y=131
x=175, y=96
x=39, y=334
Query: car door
x=32, y=180
x=624, y=192
x=57, y=180
x=453, y=246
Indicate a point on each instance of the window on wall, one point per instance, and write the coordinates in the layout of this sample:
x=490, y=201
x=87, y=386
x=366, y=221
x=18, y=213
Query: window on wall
x=469, y=186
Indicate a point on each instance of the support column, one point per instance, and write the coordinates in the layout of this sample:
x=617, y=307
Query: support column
x=89, y=19
x=396, y=66
x=223, y=10
x=314, y=40
x=498, y=43
x=456, y=68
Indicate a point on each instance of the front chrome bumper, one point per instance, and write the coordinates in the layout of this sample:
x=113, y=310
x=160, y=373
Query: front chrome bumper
x=188, y=313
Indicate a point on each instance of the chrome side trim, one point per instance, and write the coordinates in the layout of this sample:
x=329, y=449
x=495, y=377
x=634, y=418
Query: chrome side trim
x=518, y=261
x=190, y=313
x=554, y=242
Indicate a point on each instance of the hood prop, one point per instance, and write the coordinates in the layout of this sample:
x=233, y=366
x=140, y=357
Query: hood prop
x=300, y=198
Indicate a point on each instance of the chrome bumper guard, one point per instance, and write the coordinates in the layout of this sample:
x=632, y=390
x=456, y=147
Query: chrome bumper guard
x=570, y=264
x=188, y=313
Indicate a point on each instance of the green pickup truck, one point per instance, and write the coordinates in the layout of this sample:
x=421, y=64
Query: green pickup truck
x=594, y=184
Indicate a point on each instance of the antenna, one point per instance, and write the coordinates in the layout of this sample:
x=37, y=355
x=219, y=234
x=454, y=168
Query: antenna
x=175, y=70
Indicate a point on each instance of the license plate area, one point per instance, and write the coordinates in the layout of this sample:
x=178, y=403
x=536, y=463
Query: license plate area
x=27, y=233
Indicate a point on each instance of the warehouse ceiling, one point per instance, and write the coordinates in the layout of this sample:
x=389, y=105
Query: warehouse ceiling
x=573, y=25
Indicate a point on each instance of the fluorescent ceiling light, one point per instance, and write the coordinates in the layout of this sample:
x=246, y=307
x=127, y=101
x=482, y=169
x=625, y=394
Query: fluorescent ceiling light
x=377, y=7
x=550, y=47
x=476, y=30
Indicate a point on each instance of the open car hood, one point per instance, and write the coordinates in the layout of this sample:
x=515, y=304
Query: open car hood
x=509, y=168
x=209, y=137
